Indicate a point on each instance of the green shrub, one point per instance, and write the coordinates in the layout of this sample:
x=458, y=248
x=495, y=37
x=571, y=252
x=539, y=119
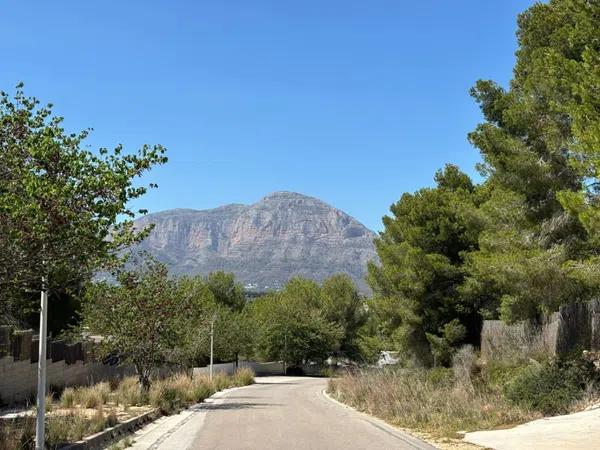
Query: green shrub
x=549, y=388
x=440, y=376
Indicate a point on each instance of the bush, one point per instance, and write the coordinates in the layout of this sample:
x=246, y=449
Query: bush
x=551, y=387
x=243, y=377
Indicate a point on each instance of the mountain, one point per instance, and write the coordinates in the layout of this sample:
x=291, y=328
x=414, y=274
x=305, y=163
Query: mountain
x=264, y=244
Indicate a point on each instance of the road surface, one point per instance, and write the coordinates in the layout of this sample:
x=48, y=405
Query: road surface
x=280, y=413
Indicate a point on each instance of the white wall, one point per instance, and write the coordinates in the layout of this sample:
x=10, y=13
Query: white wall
x=268, y=368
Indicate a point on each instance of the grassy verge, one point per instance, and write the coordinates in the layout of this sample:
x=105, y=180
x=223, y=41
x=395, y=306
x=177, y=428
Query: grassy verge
x=82, y=411
x=444, y=401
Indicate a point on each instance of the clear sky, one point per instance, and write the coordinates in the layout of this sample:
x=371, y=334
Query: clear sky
x=353, y=102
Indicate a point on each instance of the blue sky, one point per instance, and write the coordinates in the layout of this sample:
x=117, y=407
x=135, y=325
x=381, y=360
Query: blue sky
x=354, y=102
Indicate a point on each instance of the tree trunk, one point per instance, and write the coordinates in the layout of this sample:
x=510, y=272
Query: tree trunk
x=143, y=377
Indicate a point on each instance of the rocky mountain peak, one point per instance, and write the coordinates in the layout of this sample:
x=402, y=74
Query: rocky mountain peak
x=285, y=234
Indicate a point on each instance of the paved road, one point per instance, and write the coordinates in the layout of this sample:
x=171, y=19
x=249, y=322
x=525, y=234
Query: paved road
x=282, y=413
x=579, y=431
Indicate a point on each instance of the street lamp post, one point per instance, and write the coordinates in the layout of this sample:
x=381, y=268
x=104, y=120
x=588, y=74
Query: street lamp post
x=212, y=341
x=41, y=385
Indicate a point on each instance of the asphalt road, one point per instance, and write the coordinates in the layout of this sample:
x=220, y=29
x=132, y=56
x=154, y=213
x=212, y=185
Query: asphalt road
x=283, y=413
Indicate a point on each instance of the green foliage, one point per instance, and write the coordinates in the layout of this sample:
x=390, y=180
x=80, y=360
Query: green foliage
x=226, y=290
x=144, y=316
x=343, y=305
x=551, y=387
x=220, y=298
x=417, y=297
x=538, y=160
x=526, y=240
x=291, y=325
x=58, y=203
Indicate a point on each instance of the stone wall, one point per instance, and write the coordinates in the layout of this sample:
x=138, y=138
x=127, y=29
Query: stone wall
x=574, y=327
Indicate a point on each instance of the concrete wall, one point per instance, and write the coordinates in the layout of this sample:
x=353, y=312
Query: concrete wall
x=574, y=327
x=260, y=369
x=18, y=379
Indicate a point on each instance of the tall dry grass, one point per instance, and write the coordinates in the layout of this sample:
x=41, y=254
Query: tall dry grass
x=179, y=391
x=433, y=401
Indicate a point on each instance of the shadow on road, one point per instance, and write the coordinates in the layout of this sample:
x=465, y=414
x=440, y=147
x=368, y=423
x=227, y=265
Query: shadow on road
x=232, y=406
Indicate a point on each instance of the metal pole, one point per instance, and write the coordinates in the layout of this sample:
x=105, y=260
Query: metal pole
x=285, y=353
x=41, y=385
x=212, y=335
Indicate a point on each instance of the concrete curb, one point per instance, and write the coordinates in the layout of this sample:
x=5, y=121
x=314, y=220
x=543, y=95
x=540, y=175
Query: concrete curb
x=177, y=421
x=100, y=439
x=407, y=438
x=124, y=429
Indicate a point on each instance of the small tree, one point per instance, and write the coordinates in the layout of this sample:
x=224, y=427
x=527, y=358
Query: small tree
x=142, y=318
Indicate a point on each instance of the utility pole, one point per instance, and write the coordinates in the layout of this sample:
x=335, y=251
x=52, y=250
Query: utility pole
x=285, y=352
x=212, y=341
x=41, y=385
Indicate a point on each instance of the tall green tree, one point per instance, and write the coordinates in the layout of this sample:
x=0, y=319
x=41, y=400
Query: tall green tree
x=342, y=304
x=538, y=149
x=58, y=204
x=416, y=286
x=226, y=290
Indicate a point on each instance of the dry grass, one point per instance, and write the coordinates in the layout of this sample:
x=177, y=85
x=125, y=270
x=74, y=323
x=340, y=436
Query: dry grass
x=179, y=391
x=243, y=377
x=75, y=426
x=128, y=393
x=431, y=401
x=82, y=411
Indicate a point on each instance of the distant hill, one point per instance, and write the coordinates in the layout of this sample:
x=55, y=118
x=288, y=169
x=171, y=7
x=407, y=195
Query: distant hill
x=264, y=244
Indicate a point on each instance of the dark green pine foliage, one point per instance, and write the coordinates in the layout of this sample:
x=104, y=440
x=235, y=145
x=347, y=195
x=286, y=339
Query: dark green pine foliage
x=417, y=298
x=535, y=254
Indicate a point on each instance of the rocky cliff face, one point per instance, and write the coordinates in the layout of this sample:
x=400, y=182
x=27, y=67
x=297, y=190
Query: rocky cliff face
x=264, y=244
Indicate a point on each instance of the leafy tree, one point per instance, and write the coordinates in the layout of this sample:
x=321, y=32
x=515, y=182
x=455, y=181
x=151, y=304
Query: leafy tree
x=343, y=305
x=234, y=335
x=218, y=298
x=226, y=290
x=58, y=203
x=417, y=297
x=144, y=318
x=538, y=149
x=291, y=326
